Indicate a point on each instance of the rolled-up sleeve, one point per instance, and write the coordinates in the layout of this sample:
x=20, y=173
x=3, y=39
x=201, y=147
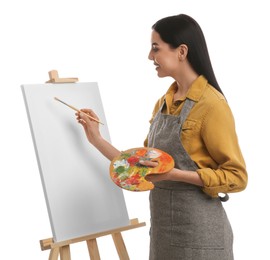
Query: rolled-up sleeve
x=220, y=139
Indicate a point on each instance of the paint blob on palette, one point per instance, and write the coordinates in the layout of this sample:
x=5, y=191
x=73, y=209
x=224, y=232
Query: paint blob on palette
x=127, y=172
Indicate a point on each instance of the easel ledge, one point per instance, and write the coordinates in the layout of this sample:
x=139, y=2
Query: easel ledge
x=54, y=78
x=63, y=249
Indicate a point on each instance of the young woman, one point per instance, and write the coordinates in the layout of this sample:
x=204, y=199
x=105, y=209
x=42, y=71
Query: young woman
x=194, y=124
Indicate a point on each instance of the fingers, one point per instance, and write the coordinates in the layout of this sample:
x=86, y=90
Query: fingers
x=79, y=119
x=152, y=177
x=149, y=163
x=156, y=177
x=89, y=112
x=82, y=122
x=87, y=115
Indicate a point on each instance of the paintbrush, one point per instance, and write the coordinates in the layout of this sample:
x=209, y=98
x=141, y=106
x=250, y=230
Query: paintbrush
x=76, y=109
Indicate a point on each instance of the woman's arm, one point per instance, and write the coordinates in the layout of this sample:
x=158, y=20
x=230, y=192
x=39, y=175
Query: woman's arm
x=93, y=135
x=219, y=136
x=190, y=177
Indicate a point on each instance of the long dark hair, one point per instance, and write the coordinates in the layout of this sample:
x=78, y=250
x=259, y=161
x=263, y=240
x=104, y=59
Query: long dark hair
x=182, y=29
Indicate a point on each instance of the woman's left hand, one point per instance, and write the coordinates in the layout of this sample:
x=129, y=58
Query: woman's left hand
x=154, y=177
x=174, y=174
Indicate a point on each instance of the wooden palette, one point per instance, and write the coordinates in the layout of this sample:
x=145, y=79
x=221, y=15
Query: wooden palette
x=127, y=173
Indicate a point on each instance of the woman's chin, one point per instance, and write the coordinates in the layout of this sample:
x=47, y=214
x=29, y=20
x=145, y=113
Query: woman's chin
x=160, y=75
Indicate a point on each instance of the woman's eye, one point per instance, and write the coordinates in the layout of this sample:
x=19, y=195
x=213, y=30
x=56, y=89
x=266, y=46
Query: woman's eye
x=154, y=49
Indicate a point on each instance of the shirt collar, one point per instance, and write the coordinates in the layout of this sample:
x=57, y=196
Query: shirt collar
x=194, y=93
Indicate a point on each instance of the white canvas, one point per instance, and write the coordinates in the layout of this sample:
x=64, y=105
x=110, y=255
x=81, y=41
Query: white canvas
x=80, y=196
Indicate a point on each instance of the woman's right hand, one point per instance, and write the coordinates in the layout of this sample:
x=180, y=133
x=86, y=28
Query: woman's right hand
x=91, y=127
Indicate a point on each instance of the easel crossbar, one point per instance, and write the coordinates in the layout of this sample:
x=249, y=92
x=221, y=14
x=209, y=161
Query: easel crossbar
x=50, y=244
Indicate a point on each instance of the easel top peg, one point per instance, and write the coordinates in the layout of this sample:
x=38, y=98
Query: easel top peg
x=54, y=78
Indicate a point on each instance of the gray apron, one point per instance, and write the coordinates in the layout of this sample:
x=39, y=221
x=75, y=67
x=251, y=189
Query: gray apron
x=186, y=223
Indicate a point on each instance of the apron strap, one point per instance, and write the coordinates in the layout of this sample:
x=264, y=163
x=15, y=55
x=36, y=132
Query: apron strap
x=188, y=104
x=185, y=110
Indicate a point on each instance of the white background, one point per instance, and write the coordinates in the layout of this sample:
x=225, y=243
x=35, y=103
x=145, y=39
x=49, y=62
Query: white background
x=108, y=42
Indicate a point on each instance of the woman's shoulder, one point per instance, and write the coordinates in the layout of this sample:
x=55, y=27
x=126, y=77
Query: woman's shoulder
x=213, y=94
x=213, y=104
x=212, y=98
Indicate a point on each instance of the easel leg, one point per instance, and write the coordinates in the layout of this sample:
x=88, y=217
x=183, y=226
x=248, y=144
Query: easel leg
x=120, y=246
x=54, y=254
x=93, y=249
x=65, y=253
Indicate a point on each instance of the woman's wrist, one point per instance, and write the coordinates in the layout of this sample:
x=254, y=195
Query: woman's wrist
x=105, y=147
x=97, y=140
x=191, y=177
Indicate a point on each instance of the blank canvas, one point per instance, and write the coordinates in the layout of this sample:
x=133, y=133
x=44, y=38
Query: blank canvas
x=80, y=196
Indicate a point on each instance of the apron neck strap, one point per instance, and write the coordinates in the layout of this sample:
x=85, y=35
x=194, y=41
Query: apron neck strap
x=188, y=104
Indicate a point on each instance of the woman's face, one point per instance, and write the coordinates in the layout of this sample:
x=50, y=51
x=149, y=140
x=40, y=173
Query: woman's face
x=165, y=58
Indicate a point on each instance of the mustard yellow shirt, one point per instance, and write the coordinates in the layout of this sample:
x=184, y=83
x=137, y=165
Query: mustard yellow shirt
x=209, y=137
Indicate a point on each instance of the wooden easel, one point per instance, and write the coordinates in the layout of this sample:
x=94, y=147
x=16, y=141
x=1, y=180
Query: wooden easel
x=62, y=248
x=54, y=78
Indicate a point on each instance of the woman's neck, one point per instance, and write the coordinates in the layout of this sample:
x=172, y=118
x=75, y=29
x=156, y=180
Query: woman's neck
x=183, y=86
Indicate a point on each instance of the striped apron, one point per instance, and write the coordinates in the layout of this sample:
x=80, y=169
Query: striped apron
x=186, y=223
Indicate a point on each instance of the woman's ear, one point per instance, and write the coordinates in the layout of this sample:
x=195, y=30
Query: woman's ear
x=182, y=52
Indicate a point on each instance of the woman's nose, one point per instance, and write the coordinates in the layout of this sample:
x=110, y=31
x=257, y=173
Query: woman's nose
x=150, y=56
